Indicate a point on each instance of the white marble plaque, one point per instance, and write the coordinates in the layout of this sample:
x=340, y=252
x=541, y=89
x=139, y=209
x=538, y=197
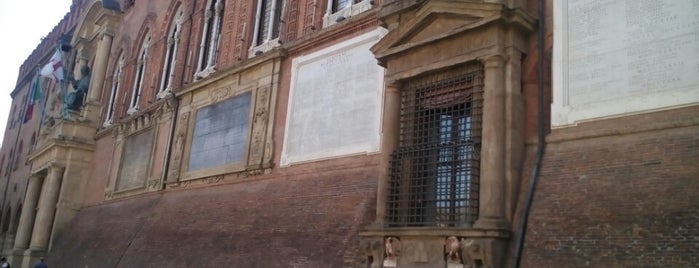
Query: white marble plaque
x=621, y=57
x=334, y=102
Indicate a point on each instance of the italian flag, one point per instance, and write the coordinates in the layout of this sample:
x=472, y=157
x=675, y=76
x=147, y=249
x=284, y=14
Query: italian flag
x=35, y=95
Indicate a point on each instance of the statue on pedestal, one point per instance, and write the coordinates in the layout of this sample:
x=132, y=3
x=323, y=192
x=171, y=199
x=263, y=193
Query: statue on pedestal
x=75, y=99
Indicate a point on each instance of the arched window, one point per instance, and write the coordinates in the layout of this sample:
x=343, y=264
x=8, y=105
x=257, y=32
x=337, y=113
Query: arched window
x=340, y=10
x=173, y=38
x=19, y=154
x=268, y=18
x=18, y=214
x=13, y=119
x=6, y=219
x=10, y=161
x=140, y=74
x=209, y=38
x=2, y=163
x=32, y=144
x=116, y=81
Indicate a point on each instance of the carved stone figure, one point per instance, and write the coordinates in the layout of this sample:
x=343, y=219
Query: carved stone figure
x=453, y=247
x=392, y=251
x=74, y=100
x=475, y=254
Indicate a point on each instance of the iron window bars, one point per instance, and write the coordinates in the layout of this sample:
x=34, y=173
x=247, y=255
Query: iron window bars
x=434, y=174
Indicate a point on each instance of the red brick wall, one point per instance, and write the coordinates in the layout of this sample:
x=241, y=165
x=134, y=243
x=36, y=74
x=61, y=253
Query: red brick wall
x=285, y=220
x=619, y=193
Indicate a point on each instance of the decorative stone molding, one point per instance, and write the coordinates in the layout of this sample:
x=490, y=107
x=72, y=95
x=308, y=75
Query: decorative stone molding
x=218, y=94
x=178, y=147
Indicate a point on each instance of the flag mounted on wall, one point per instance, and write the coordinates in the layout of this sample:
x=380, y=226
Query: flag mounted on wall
x=35, y=95
x=54, y=69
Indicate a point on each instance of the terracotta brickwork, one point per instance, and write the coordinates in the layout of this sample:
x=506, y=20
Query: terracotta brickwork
x=308, y=217
x=618, y=199
x=611, y=193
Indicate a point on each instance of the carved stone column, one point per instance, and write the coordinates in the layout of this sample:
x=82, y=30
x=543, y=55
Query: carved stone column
x=390, y=131
x=47, y=209
x=491, y=213
x=26, y=220
x=100, y=67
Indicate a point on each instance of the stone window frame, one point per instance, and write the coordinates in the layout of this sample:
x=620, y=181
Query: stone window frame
x=141, y=64
x=114, y=92
x=124, y=131
x=226, y=93
x=271, y=39
x=427, y=100
x=353, y=8
x=170, y=60
x=211, y=31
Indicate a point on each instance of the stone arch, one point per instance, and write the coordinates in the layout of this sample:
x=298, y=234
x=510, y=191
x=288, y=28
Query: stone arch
x=6, y=218
x=15, y=222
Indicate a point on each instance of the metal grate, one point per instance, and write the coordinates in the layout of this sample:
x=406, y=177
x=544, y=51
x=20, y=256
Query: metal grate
x=434, y=174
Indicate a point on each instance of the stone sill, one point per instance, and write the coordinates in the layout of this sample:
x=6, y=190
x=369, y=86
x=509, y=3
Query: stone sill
x=436, y=231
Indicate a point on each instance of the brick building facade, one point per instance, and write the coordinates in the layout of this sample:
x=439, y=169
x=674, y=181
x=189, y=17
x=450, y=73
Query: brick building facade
x=333, y=133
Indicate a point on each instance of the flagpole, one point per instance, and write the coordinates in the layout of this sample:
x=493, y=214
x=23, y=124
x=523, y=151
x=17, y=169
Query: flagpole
x=43, y=101
x=62, y=83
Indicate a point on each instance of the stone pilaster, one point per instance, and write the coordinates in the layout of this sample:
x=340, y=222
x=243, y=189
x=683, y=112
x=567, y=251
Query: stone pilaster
x=100, y=67
x=491, y=212
x=47, y=209
x=390, y=133
x=26, y=220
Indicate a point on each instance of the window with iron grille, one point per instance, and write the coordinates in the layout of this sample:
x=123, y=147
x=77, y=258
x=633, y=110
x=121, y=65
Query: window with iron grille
x=434, y=173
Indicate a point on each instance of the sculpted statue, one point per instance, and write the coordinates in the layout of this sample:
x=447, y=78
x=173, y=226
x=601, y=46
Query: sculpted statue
x=392, y=251
x=74, y=100
x=453, y=247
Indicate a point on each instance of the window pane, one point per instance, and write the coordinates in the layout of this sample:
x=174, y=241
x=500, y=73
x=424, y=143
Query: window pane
x=220, y=133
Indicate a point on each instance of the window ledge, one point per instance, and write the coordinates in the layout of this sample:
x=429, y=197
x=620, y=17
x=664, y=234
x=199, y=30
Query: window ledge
x=204, y=73
x=107, y=123
x=264, y=47
x=132, y=110
x=345, y=13
x=164, y=93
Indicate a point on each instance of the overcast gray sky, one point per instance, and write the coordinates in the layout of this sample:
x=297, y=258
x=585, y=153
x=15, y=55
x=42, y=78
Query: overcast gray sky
x=22, y=25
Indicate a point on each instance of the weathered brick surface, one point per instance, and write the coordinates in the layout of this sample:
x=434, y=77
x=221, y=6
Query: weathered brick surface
x=99, y=236
x=624, y=200
x=304, y=220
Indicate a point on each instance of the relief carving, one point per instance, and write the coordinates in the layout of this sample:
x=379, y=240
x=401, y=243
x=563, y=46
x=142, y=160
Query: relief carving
x=214, y=179
x=476, y=254
x=108, y=193
x=251, y=173
x=453, y=248
x=219, y=93
x=371, y=248
x=259, y=127
x=391, y=251
x=178, y=147
x=153, y=184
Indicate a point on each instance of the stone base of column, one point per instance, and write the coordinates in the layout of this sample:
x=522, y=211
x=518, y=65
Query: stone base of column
x=24, y=257
x=491, y=224
x=91, y=112
x=15, y=256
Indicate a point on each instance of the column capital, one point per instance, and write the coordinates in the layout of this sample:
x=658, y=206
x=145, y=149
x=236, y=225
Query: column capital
x=107, y=32
x=392, y=87
x=493, y=61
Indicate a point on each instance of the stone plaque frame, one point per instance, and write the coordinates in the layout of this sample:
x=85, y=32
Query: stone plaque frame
x=611, y=89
